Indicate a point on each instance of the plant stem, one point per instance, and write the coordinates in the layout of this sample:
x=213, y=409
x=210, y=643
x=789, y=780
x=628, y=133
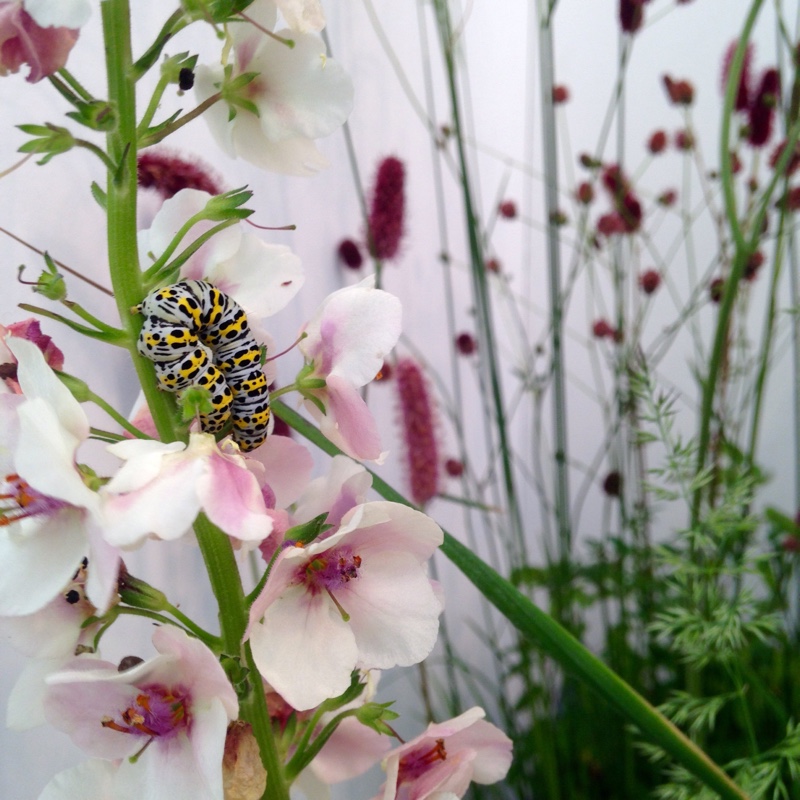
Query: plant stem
x=543, y=631
x=126, y=280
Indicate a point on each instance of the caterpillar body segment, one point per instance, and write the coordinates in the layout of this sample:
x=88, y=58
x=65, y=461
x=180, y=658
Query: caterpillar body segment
x=196, y=335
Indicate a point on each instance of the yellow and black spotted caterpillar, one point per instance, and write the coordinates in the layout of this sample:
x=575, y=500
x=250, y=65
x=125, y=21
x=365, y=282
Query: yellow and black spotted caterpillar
x=196, y=335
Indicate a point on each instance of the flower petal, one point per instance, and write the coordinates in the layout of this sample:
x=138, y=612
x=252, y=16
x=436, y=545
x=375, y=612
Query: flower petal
x=304, y=649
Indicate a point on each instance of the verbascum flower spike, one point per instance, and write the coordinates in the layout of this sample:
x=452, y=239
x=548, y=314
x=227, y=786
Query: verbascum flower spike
x=387, y=212
x=419, y=421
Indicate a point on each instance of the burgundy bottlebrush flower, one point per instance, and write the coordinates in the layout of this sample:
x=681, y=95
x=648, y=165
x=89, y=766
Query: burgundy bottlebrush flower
x=454, y=468
x=587, y=161
x=716, y=289
x=168, y=173
x=791, y=200
x=560, y=94
x=466, y=344
x=762, y=109
x=627, y=216
x=680, y=93
x=585, y=193
x=631, y=15
x=794, y=160
x=742, y=101
x=610, y=224
x=684, y=139
x=350, y=254
x=419, y=422
x=601, y=329
x=753, y=265
x=387, y=210
x=507, y=209
x=657, y=142
x=649, y=281
x=612, y=484
x=494, y=265
x=667, y=198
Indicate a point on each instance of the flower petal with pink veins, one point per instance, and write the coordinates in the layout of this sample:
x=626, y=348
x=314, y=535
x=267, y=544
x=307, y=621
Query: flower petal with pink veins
x=304, y=649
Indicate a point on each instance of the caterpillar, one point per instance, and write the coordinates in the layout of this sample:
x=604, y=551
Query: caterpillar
x=196, y=335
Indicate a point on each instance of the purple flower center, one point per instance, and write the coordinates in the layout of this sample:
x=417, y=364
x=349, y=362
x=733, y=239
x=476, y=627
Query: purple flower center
x=420, y=760
x=332, y=570
x=157, y=711
x=19, y=500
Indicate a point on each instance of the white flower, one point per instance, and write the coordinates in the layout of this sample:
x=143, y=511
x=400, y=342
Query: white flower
x=261, y=277
x=360, y=598
x=172, y=710
x=162, y=488
x=347, y=341
x=59, y=13
x=300, y=95
x=52, y=519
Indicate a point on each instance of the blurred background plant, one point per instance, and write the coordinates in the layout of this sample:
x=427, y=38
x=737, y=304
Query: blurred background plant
x=621, y=319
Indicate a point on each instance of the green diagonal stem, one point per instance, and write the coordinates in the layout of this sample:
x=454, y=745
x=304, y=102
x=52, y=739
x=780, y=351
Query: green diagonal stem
x=555, y=640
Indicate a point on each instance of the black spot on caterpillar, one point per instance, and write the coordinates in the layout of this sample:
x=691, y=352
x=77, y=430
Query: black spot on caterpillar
x=196, y=335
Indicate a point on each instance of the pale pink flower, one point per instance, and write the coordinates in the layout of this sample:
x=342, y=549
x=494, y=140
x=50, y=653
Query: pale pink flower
x=39, y=33
x=93, y=778
x=359, y=598
x=300, y=94
x=347, y=341
x=52, y=519
x=161, y=488
x=302, y=15
x=446, y=758
x=173, y=710
x=343, y=487
x=261, y=277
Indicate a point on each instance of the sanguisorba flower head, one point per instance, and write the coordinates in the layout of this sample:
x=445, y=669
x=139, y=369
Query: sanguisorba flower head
x=743, y=90
x=762, y=108
x=387, y=210
x=418, y=423
x=168, y=173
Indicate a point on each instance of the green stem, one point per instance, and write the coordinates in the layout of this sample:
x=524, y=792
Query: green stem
x=554, y=639
x=152, y=106
x=161, y=133
x=741, y=255
x=76, y=85
x=95, y=150
x=480, y=287
x=116, y=416
x=126, y=280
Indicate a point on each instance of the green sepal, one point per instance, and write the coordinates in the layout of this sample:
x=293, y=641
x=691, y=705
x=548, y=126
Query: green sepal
x=195, y=401
x=99, y=195
x=78, y=388
x=50, y=282
x=172, y=66
x=51, y=140
x=308, y=531
x=98, y=115
x=222, y=207
x=376, y=716
x=140, y=594
x=238, y=674
x=215, y=11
